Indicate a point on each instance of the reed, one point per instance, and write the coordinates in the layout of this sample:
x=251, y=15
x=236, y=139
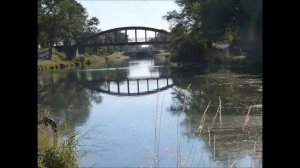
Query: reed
x=247, y=118
x=220, y=111
x=61, y=154
x=214, y=147
x=208, y=129
x=201, y=126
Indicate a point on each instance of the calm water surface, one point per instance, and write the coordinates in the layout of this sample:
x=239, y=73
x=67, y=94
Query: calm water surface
x=158, y=121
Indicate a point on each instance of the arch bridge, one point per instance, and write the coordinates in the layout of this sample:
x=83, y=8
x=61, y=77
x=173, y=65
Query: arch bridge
x=118, y=37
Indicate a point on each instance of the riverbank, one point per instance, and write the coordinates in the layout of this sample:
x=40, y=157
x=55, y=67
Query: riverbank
x=59, y=61
x=116, y=56
x=162, y=53
x=162, y=56
x=227, y=61
x=57, y=143
x=53, y=151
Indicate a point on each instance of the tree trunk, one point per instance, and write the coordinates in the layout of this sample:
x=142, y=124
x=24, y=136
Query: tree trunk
x=50, y=49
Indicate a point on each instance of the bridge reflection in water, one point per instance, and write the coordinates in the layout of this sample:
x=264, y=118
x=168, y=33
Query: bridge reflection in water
x=132, y=86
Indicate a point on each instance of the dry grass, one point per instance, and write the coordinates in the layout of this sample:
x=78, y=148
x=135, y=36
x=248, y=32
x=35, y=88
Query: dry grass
x=56, y=155
x=59, y=61
x=201, y=126
x=247, y=117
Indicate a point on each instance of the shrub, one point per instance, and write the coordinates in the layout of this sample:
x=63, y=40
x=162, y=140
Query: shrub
x=62, y=66
x=60, y=56
x=61, y=155
x=88, y=62
x=191, y=50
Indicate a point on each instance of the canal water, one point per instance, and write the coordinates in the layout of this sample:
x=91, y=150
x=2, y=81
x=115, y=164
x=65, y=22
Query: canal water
x=143, y=113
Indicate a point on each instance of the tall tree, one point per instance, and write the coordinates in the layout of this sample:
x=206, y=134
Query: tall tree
x=236, y=21
x=60, y=20
x=91, y=25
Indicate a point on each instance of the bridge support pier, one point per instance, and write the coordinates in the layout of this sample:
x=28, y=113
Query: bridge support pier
x=128, y=86
x=118, y=83
x=126, y=35
x=138, y=86
x=135, y=35
x=147, y=85
x=167, y=81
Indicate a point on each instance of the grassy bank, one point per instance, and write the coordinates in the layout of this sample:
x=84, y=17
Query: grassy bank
x=228, y=61
x=162, y=56
x=57, y=155
x=116, y=56
x=59, y=61
x=163, y=53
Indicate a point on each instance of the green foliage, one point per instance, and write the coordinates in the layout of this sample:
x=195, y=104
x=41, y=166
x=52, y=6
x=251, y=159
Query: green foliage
x=57, y=63
x=236, y=21
x=231, y=33
x=62, y=20
x=57, y=158
x=60, y=55
x=191, y=50
x=63, y=154
x=91, y=25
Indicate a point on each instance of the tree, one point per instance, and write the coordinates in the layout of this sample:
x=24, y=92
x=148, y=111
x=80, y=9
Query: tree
x=91, y=25
x=60, y=20
x=236, y=21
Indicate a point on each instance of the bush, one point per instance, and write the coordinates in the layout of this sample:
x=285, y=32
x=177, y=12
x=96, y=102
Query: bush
x=61, y=155
x=62, y=66
x=191, y=50
x=58, y=158
x=88, y=62
x=59, y=55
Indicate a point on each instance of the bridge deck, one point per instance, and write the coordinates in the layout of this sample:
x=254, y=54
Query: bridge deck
x=123, y=43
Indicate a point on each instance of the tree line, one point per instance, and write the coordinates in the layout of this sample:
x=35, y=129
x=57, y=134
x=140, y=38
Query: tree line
x=199, y=24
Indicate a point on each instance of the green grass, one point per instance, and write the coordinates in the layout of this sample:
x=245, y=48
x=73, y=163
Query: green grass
x=235, y=60
x=57, y=150
x=59, y=61
x=116, y=56
x=63, y=154
x=163, y=53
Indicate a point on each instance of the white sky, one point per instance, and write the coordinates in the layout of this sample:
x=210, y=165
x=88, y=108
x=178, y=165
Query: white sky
x=120, y=13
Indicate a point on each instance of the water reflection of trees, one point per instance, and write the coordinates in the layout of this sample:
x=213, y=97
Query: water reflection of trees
x=69, y=95
x=237, y=93
x=70, y=103
x=164, y=71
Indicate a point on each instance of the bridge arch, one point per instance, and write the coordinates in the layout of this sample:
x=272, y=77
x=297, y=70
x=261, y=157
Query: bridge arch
x=72, y=51
x=114, y=30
